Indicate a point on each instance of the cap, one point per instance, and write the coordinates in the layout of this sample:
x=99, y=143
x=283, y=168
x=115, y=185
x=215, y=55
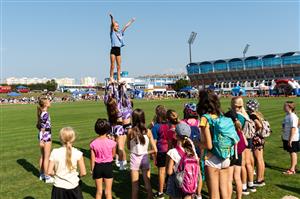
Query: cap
x=182, y=129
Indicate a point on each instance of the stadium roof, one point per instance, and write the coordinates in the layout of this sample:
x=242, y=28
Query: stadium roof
x=250, y=57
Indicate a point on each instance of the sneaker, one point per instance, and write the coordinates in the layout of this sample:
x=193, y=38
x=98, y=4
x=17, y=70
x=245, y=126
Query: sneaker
x=198, y=197
x=49, y=179
x=245, y=192
x=122, y=168
x=252, y=189
x=117, y=163
x=42, y=176
x=159, y=195
x=259, y=183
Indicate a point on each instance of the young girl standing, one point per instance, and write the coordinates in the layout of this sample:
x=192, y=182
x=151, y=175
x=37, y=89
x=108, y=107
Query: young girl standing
x=117, y=42
x=103, y=150
x=185, y=145
x=113, y=106
x=139, y=138
x=258, y=141
x=216, y=169
x=63, y=166
x=290, y=135
x=44, y=136
x=160, y=135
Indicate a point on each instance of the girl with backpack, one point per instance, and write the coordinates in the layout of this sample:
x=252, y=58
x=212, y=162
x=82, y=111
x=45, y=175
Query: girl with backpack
x=63, y=166
x=290, y=135
x=44, y=136
x=237, y=106
x=217, y=161
x=191, y=118
x=139, y=138
x=258, y=140
x=102, y=150
x=183, y=167
x=160, y=135
x=236, y=160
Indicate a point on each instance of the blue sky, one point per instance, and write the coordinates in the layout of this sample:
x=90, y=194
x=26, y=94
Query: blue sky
x=71, y=38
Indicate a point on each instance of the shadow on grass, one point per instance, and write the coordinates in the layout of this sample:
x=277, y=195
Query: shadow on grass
x=28, y=197
x=88, y=189
x=274, y=167
x=29, y=167
x=288, y=188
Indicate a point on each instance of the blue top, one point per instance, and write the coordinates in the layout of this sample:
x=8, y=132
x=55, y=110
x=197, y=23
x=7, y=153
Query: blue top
x=117, y=39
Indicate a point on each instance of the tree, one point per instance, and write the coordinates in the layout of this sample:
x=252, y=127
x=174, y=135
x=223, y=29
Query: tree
x=51, y=85
x=181, y=83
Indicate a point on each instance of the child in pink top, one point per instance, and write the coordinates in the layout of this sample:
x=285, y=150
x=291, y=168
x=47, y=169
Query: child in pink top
x=103, y=150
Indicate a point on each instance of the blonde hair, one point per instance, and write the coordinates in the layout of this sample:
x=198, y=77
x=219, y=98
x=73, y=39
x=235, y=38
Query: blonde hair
x=67, y=138
x=238, y=101
x=42, y=102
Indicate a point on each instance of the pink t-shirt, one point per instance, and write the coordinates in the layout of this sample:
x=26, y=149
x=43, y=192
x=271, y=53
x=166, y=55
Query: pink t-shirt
x=103, y=149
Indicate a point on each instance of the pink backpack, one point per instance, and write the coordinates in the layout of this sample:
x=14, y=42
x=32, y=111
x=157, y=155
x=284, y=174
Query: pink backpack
x=187, y=173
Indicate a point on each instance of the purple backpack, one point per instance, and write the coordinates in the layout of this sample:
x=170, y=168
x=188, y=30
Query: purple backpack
x=187, y=173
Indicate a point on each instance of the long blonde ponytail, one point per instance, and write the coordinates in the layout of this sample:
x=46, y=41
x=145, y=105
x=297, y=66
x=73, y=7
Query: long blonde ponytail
x=67, y=137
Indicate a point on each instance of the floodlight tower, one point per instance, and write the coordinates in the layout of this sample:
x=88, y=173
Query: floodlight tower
x=244, y=53
x=190, y=42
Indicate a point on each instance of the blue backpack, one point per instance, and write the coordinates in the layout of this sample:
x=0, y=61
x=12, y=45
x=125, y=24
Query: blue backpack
x=224, y=136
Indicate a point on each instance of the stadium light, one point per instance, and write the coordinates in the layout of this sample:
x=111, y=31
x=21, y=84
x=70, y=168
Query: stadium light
x=190, y=42
x=244, y=54
x=245, y=50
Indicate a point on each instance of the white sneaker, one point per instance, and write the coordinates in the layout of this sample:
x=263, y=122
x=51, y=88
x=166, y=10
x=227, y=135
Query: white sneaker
x=42, y=176
x=198, y=197
x=49, y=180
x=117, y=163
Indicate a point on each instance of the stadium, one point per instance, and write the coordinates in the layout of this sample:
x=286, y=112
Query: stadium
x=276, y=73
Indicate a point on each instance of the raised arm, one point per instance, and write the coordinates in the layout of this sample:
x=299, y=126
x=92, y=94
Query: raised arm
x=128, y=24
x=112, y=21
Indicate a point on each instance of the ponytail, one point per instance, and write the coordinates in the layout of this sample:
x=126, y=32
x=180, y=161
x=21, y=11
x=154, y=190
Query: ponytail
x=38, y=113
x=188, y=146
x=67, y=137
x=69, y=156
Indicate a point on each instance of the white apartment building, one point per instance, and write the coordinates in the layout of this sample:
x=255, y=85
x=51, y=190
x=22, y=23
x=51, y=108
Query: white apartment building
x=88, y=81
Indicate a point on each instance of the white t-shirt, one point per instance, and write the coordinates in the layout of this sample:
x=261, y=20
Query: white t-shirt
x=290, y=121
x=174, y=155
x=64, y=178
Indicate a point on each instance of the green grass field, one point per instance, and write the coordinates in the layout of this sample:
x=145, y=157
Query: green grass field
x=20, y=151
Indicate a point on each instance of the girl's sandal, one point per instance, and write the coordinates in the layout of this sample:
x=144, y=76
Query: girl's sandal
x=289, y=172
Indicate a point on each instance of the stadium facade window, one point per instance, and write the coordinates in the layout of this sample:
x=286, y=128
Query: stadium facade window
x=206, y=67
x=193, y=69
x=288, y=60
x=236, y=64
x=271, y=61
x=220, y=65
x=253, y=62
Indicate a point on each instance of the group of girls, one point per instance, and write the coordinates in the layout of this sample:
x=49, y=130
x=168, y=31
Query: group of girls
x=163, y=140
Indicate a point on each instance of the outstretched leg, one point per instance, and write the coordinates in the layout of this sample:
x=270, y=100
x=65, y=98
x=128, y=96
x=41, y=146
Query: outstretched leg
x=112, y=67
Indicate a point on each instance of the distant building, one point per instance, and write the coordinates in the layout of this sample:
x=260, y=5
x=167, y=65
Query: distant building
x=88, y=81
x=249, y=72
x=66, y=81
x=25, y=80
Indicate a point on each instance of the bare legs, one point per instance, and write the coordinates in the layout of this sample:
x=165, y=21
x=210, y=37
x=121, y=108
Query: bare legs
x=45, y=148
x=135, y=183
x=108, y=186
x=114, y=59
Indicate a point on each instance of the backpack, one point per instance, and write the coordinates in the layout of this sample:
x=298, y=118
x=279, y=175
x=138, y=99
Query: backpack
x=187, y=173
x=249, y=129
x=224, y=136
x=266, y=129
